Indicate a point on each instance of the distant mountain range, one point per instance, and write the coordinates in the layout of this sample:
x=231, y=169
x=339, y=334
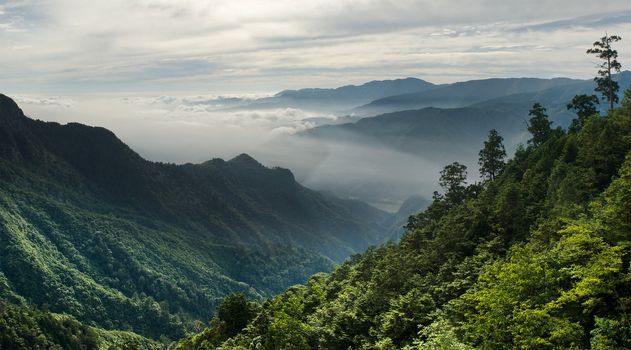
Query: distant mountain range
x=385, y=96
x=461, y=94
x=334, y=99
x=442, y=124
x=351, y=95
x=89, y=228
x=450, y=122
x=431, y=133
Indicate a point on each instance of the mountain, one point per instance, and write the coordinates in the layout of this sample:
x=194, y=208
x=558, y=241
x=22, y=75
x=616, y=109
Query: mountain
x=537, y=257
x=434, y=135
x=461, y=94
x=556, y=98
x=431, y=133
x=341, y=98
x=91, y=229
x=394, y=145
x=411, y=206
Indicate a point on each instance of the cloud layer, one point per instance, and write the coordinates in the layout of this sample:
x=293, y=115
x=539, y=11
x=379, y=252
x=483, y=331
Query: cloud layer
x=65, y=46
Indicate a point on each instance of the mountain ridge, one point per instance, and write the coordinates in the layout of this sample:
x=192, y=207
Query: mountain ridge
x=124, y=243
x=461, y=94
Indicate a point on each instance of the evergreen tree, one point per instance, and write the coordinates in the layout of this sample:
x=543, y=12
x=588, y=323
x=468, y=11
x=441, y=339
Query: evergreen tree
x=604, y=82
x=234, y=313
x=539, y=125
x=452, y=180
x=584, y=106
x=492, y=156
x=626, y=101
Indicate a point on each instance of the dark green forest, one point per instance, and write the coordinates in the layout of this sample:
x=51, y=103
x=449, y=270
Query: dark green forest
x=535, y=256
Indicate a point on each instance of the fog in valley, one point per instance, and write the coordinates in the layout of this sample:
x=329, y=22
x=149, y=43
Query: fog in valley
x=196, y=129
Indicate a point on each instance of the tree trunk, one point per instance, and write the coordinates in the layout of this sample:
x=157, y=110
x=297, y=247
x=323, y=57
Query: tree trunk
x=610, y=84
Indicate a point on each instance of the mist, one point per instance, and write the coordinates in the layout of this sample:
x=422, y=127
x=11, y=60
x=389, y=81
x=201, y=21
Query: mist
x=198, y=128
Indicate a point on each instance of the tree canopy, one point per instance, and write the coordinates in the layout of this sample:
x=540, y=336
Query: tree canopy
x=492, y=156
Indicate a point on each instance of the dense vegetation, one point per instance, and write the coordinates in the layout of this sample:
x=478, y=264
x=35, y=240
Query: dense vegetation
x=96, y=243
x=535, y=257
x=28, y=328
x=90, y=229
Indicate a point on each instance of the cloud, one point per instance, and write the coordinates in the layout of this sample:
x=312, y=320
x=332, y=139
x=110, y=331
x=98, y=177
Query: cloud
x=174, y=128
x=45, y=101
x=61, y=46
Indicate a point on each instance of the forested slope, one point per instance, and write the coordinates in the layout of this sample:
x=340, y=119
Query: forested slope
x=534, y=257
x=90, y=229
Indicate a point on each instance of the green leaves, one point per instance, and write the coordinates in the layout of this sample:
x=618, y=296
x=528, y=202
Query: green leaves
x=538, y=125
x=492, y=156
x=604, y=50
x=614, y=208
x=544, y=295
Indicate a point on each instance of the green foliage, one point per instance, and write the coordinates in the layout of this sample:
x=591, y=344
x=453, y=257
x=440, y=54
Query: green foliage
x=453, y=179
x=625, y=106
x=234, y=313
x=543, y=295
x=440, y=335
x=584, y=106
x=492, y=156
x=614, y=208
x=26, y=328
x=537, y=258
x=538, y=125
x=604, y=83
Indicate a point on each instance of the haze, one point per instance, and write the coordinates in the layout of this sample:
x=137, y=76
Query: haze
x=152, y=70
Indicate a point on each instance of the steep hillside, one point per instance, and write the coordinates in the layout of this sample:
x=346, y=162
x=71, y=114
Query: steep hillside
x=89, y=228
x=536, y=258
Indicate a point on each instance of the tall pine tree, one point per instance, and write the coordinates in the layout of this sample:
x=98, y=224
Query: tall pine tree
x=539, y=125
x=492, y=156
x=604, y=82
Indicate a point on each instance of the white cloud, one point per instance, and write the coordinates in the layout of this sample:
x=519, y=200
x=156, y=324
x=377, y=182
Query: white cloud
x=52, y=101
x=260, y=46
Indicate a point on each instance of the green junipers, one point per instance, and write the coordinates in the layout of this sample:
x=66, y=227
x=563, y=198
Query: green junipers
x=536, y=258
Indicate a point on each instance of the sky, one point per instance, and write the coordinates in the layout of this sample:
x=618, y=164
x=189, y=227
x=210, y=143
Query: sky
x=141, y=67
x=68, y=47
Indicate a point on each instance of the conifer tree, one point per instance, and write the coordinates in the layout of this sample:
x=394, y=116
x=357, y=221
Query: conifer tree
x=452, y=180
x=584, y=106
x=492, y=156
x=604, y=82
x=626, y=101
x=539, y=125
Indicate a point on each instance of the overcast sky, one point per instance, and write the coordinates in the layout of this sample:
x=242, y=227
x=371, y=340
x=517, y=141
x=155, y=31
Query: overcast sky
x=69, y=47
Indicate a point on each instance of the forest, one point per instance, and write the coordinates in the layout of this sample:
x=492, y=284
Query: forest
x=534, y=256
